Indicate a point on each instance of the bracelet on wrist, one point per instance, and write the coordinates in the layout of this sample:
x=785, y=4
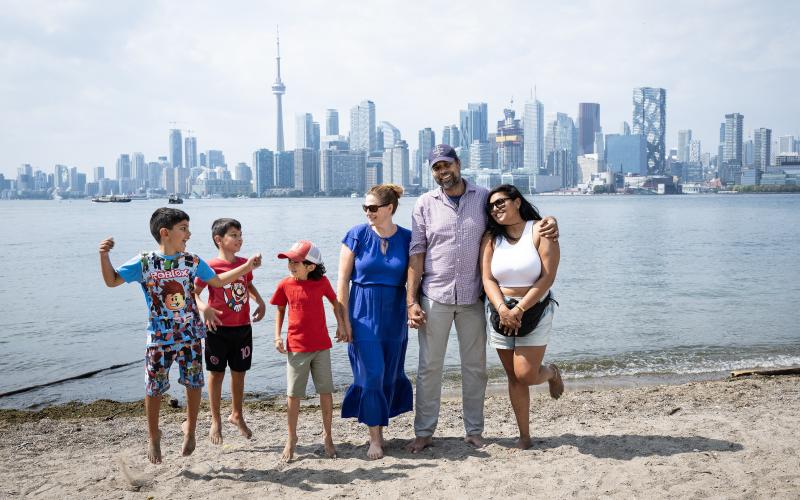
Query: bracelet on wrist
x=520, y=307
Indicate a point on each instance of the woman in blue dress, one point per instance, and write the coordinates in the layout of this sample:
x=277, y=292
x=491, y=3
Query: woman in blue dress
x=374, y=258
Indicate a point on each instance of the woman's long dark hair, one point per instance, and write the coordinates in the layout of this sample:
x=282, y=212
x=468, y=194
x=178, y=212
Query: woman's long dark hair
x=526, y=210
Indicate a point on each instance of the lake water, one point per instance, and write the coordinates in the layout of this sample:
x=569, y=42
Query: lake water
x=648, y=286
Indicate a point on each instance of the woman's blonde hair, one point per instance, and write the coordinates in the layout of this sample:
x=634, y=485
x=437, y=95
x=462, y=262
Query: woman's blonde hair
x=387, y=194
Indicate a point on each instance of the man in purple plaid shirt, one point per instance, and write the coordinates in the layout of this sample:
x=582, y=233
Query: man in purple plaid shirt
x=447, y=227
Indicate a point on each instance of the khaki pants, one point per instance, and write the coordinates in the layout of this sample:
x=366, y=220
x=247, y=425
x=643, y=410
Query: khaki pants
x=471, y=333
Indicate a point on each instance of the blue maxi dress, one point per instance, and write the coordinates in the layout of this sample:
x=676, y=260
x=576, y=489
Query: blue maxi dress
x=380, y=388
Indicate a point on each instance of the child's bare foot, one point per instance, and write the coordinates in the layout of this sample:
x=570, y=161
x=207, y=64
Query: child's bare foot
x=524, y=442
x=288, y=450
x=188, y=439
x=154, y=449
x=330, y=450
x=239, y=422
x=215, y=433
x=375, y=450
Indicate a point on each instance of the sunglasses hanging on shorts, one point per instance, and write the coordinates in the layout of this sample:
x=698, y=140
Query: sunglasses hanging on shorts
x=373, y=208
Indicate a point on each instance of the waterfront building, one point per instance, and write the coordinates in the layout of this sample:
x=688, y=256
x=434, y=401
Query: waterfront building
x=762, y=142
x=306, y=171
x=427, y=141
x=362, y=127
x=561, y=146
x=732, y=138
x=451, y=136
x=182, y=181
x=509, y=142
x=396, y=164
x=390, y=134
x=331, y=122
x=588, y=126
x=588, y=165
x=684, y=140
x=626, y=154
x=374, y=171
x=480, y=155
x=216, y=159
x=650, y=120
x=175, y=148
x=203, y=160
x=342, y=172
x=787, y=144
x=123, y=169
x=695, y=152
x=190, y=150
x=315, y=136
x=264, y=169
x=207, y=186
x=284, y=169
x=242, y=172
x=335, y=142
x=533, y=136
x=278, y=89
x=474, y=123
x=154, y=175
x=61, y=177
x=99, y=173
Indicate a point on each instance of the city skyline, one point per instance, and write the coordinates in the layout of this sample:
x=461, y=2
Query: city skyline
x=83, y=99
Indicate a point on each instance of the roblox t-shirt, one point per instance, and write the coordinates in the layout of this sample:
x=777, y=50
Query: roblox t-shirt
x=167, y=282
x=233, y=299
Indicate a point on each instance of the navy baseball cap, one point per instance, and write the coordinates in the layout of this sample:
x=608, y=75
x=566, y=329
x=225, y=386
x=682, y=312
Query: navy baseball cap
x=442, y=152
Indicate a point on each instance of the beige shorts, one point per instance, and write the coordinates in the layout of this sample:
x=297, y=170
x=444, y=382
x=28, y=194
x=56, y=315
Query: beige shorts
x=298, y=366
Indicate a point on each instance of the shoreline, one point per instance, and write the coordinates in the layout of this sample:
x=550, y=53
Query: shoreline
x=173, y=403
x=733, y=438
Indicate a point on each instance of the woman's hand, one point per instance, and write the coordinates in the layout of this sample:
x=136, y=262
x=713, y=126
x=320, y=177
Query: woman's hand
x=510, y=319
x=344, y=333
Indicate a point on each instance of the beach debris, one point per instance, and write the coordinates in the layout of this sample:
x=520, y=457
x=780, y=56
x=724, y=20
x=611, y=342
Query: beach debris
x=795, y=370
x=674, y=411
x=173, y=402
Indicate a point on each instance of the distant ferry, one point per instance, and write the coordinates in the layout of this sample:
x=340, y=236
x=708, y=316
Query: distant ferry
x=111, y=199
x=175, y=199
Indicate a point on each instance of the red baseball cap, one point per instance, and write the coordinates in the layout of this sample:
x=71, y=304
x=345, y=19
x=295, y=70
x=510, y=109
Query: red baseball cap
x=303, y=250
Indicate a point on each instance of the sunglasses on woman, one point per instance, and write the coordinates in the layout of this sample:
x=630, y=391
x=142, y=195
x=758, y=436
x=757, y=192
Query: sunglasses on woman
x=499, y=203
x=373, y=208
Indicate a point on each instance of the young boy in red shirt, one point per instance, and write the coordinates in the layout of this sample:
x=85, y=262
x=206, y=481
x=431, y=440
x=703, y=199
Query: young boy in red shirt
x=308, y=344
x=229, y=341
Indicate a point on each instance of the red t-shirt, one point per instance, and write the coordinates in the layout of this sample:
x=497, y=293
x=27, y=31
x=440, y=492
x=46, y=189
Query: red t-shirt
x=233, y=299
x=308, y=331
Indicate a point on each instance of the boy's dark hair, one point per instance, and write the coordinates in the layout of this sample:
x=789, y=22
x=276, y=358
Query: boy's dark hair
x=526, y=210
x=318, y=271
x=220, y=228
x=166, y=218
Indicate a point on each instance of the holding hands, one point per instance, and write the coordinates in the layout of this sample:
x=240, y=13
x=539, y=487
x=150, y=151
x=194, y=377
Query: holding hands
x=416, y=316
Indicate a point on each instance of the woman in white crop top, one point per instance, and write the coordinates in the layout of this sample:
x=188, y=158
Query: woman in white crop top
x=517, y=262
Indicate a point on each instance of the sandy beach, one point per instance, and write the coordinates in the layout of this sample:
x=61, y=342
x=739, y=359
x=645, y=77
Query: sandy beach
x=733, y=438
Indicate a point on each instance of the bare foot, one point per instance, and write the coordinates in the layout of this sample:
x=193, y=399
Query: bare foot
x=154, y=449
x=241, y=425
x=524, y=442
x=375, y=450
x=419, y=444
x=188, y=439
x=288, y=450
x=330, y=450
x=475, y=440
x=556, y=384
x=215, y=433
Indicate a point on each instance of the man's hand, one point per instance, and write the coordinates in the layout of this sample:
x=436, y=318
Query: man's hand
x=261, y=309
x=106, y=245
x=549, y=228
x=416, y=316
x=279, y=345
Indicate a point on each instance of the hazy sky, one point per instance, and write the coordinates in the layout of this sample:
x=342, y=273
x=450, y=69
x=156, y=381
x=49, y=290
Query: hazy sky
x=82, y=82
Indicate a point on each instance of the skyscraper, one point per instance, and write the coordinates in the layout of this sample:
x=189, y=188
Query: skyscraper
x=474, y=124
x=139, y=170
x=216, y=158
x=331, y=122
x=650, y=120
x=123, y=167
x=588, y=126
x=391, y=134
x=762, y=142
x=175, y=148
x=533, y=131
x=427, y=140
x=396, y=164
x=509, y=142
x=362, y=127
x=278, y=88
x=732, y=146
x=304, y=131
x=306, y=171
x=190, y=149
x=264, y=169
x=684, y=139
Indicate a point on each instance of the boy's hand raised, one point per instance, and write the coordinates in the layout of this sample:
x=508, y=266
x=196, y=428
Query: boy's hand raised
x=106, y=245
x=255, y=261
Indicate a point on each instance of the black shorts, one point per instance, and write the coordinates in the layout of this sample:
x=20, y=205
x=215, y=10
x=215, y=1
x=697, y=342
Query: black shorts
x=229, y=346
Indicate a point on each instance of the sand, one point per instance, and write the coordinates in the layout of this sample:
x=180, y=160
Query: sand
x=716, y=439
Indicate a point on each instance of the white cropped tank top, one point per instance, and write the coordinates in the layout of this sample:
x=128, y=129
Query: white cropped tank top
x=516, y=265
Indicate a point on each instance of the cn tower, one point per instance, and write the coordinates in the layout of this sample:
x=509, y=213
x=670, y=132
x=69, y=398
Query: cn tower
x=278, y=88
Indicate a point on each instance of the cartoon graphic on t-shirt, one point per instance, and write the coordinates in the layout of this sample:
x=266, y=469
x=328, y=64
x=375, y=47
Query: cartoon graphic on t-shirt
x=235, y=295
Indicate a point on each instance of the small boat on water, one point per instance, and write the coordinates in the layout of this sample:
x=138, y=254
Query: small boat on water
x=175, y=199
x=113, y=198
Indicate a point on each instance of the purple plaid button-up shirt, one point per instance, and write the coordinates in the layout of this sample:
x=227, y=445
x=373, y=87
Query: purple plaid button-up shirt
x=450, y=237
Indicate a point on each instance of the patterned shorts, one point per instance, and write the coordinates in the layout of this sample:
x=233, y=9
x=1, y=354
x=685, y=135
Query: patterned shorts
x=158, y=360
